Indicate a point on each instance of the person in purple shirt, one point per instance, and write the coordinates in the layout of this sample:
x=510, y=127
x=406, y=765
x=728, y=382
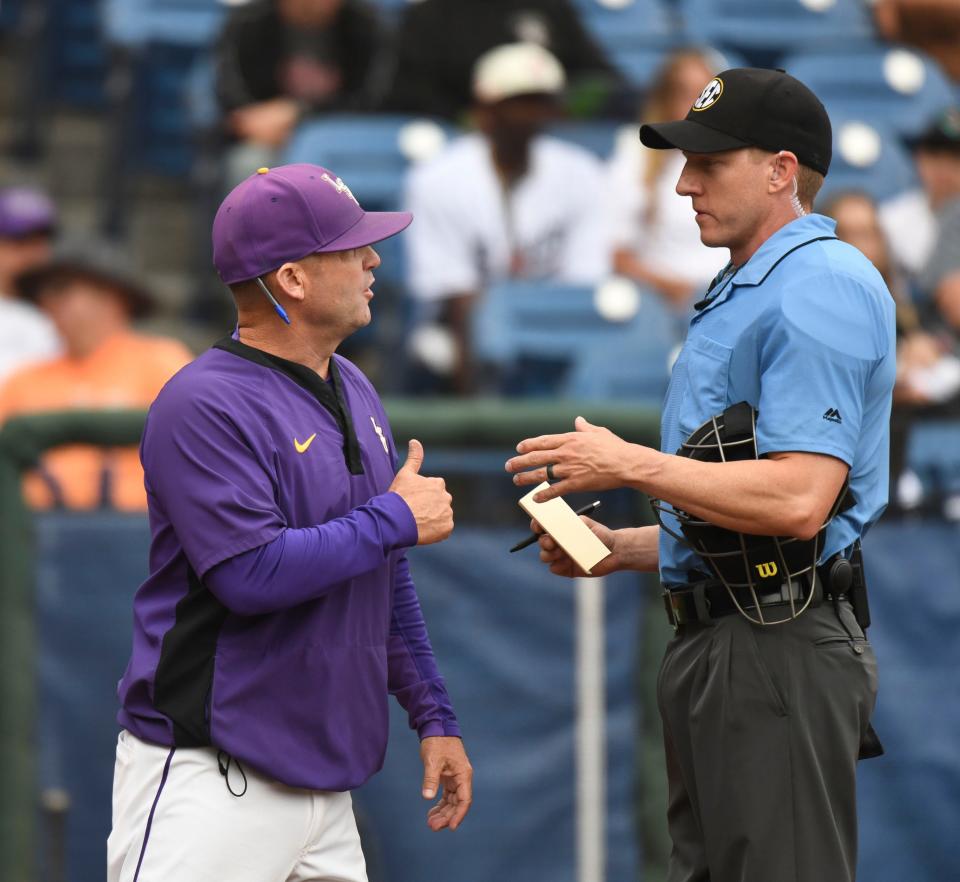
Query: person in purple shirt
x=280, y=611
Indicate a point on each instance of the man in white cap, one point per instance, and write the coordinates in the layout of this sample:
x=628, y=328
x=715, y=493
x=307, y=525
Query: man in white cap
x=504, y=202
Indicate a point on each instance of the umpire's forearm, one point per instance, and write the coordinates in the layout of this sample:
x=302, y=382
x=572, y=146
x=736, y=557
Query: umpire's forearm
x=638, y=548
x=784, y=495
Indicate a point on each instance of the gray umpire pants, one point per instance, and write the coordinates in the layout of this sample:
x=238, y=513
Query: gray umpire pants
x=762, y=729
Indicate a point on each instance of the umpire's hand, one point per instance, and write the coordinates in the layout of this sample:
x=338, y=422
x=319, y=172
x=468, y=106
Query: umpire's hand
x=445, y=765
x=589, y=458
x=561, y=564
x=428, y=499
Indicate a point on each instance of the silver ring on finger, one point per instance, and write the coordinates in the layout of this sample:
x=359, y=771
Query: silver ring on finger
x=551, y=476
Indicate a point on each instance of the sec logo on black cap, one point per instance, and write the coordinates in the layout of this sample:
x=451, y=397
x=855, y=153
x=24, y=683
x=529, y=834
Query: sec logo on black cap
x=708, y=97
x=761, y=108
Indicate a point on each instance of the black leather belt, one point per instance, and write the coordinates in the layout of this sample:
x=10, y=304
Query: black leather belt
x=701, y=601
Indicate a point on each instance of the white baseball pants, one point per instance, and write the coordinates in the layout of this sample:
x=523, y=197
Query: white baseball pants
x=175, y=819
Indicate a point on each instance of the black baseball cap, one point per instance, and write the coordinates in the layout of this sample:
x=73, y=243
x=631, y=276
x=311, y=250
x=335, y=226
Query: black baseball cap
x=92, y=262
x=942, y=135
x=751, y=107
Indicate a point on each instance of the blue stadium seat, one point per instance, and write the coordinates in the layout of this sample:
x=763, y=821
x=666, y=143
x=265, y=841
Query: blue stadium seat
x=899, y=87
x=162, y=118
x=161, y=43
x=371, y=153
x=635, y=370
x=539, y=336
x=933, y=454
x=133, y=23
x=776, y=26
x=867, y=156
x=158, y=45
x=634, y=366
x=639, y=64
x=629, y=22
x=597, y=136
x=75, y=54
x=636, y=34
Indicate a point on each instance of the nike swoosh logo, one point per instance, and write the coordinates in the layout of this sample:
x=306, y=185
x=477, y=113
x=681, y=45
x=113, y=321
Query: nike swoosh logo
x=302, y=448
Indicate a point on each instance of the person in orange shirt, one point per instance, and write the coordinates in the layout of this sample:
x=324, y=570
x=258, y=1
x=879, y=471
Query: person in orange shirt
x=105, y=364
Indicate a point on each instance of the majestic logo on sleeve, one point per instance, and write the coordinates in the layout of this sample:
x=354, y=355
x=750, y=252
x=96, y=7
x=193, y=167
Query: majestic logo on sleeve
x=833, y=415
x=383, y=440
x=710, y=94
x=302, y=448
x=338, y=185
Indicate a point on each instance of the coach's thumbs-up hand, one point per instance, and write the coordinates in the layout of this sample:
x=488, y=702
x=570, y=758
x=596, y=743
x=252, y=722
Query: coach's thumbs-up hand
x=428, y=499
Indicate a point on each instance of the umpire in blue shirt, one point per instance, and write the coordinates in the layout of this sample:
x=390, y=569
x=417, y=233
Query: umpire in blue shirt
x=762, y=725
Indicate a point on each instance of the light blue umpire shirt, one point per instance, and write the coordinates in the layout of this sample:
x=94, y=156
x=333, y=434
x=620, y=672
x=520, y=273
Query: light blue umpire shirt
x=804, y=332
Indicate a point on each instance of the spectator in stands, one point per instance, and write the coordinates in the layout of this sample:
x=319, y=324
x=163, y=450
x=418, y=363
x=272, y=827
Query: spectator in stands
x=27, y=221
x=279, y=60
x=931, y=25
x=104, y=365
x=504, y=202
x=440, y=42
x=928, y=371
x=937, y=153
x=656, y=239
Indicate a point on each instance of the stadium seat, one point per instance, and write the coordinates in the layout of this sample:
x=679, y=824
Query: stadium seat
x=597, y=136
x=635, y=370
x=636, y=34
x=157, y=47
x=901, y=88
x=621, y=23
x=57, y=57
x=75, y=54
x=867, y=156
x=133, y=23
x=933, y=455
x=539, y=336
x=371, y=153
x=773, y=27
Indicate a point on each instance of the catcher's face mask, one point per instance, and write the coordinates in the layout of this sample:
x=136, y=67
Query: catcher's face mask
x=749, y=567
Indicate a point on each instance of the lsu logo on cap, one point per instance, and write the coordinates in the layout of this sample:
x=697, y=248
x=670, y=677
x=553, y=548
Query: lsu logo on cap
x=338, y=185
x=710, y=94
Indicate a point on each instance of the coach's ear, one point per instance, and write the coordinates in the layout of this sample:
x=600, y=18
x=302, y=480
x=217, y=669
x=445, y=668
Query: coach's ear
x=292, y=281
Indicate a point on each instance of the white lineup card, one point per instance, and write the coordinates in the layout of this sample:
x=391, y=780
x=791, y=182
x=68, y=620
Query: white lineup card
x=564, y=525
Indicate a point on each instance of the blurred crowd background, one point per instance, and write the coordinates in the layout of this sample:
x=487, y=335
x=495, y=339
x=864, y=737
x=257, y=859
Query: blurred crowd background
x=550, y=255
x=550, y=258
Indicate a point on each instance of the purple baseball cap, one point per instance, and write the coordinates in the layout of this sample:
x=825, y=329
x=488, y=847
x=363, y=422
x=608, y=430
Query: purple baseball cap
x=289, y=212
x=25, y=212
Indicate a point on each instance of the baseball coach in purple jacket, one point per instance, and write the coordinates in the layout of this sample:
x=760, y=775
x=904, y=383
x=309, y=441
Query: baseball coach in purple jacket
x=279, y=612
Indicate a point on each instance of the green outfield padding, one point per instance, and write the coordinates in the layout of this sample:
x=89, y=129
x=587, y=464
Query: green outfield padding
x=22, y=440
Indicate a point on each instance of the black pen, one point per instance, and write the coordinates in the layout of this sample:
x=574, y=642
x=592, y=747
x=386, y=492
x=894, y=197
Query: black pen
x=593, y=506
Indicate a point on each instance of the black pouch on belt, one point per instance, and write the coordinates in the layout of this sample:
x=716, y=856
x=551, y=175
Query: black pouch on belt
x=870, y=745
x=858, y=589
